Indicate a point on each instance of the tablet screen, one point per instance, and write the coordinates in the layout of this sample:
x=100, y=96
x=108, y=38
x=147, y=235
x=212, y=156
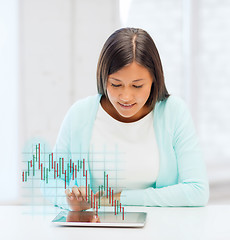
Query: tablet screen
x=89, y=218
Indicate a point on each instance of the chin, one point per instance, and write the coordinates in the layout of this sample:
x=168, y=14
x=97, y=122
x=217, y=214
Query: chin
x=127, y=115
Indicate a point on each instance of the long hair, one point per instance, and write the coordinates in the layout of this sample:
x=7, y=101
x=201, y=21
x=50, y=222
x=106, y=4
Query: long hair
x=125, y=46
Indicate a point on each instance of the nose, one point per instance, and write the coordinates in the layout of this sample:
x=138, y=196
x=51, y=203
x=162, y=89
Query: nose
x=126, y=95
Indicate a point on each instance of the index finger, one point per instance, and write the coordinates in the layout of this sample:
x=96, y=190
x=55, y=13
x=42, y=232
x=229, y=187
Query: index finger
x=76, y=192
x=82, y=191
x=69, y=194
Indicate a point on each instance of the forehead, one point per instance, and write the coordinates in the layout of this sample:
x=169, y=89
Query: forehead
x=133, y=72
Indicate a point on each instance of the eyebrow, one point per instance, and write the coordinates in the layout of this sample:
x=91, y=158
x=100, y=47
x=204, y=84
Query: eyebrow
x=136, y=80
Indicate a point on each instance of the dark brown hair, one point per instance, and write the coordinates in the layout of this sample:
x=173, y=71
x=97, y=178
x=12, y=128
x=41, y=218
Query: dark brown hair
x=125, y=46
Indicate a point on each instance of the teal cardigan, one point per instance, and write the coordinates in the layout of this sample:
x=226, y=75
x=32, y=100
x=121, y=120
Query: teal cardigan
x=182, y=178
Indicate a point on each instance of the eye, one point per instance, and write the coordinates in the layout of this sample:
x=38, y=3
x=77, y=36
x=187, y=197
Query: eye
x=114, y=85
x=140, y=86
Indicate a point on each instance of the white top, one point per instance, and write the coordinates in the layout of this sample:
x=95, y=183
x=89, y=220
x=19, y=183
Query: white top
x=127, y=152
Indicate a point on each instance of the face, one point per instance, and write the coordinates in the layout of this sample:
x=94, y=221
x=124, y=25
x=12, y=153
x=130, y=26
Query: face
x=128, y=90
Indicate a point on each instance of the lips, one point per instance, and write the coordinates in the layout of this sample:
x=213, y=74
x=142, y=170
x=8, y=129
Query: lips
x=126, y=106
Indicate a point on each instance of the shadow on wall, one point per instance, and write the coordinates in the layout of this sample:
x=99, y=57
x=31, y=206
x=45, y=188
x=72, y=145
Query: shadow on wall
x=220, y=192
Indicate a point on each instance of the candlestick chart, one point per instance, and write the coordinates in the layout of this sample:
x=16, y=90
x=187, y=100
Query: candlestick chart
x=46, y=167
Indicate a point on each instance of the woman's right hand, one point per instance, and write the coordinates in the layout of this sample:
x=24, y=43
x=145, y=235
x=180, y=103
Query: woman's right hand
x=77, y=198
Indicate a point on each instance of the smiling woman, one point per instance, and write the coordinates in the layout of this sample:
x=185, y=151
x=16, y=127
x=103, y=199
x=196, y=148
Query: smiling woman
x=130, y=56
x=127, y=98
x=134, y=113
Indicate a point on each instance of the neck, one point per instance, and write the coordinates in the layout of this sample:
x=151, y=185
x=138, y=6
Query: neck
x=109, y=108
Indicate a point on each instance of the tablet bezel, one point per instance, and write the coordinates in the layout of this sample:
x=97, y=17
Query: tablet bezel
x=143, y=216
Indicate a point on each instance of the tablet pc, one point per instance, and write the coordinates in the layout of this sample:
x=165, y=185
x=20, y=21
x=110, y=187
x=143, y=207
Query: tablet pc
x=102, y=219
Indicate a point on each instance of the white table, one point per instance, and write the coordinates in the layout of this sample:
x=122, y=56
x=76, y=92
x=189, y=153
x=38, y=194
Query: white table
x=211, y=222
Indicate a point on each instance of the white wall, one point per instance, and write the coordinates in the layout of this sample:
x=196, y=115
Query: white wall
x=8, y=100
x=60, y=44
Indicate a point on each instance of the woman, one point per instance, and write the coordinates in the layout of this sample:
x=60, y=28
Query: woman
x=134, y=111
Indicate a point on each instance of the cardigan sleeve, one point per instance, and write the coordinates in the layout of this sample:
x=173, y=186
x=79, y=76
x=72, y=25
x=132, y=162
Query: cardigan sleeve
x=192, y=188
